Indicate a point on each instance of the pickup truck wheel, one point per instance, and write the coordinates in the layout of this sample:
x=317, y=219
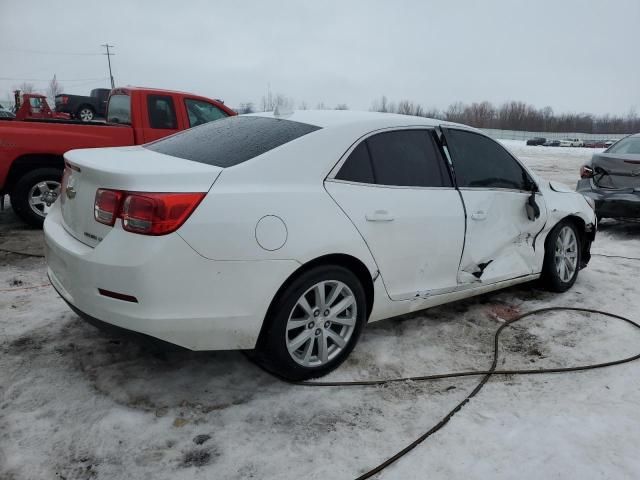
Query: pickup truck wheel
x=85, y=114
x=34, y=194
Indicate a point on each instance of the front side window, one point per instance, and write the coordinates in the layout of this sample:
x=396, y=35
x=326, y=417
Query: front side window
x=202, y=112
x=480, y=162
x=406, y=158
x=119, y=109
x=161, y=112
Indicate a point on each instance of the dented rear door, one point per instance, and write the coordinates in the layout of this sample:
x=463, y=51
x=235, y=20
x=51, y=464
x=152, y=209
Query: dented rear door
x=495, y=188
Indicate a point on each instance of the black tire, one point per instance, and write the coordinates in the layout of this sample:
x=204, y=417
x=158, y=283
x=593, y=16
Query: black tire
x=85, y=113
x=271, y=352
x=550, y=277
x=21, y=190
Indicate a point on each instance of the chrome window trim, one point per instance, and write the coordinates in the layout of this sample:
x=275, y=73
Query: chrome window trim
x=377, y=185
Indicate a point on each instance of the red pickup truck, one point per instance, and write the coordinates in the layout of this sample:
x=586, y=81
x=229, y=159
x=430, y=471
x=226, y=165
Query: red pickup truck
x=31, y=162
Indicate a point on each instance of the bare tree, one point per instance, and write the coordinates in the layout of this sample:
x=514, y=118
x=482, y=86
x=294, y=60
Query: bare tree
x=380, y=105
x=342, y=106
x=247, y=107
x=26, y=87
x=53, y=89
x=455, y=112
x=270, y=101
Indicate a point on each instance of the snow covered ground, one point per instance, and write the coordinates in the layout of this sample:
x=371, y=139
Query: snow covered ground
x=77, y=404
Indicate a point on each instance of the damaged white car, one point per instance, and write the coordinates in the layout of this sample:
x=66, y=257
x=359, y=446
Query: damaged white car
x=287, y=234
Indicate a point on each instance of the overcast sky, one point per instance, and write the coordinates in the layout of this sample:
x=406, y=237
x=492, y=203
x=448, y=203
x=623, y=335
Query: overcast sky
x=576, y=56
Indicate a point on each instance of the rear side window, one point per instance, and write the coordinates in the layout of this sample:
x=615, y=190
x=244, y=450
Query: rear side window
x=480, y=162
x=161, y=112
x=202, y=112
x=407, y=158
x=119, y=110
x=626, y=145
x=231, y=140
x=357, y=167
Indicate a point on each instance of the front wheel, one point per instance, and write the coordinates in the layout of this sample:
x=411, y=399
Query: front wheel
x=561, y=257
x=34, y=194
x=314, y=325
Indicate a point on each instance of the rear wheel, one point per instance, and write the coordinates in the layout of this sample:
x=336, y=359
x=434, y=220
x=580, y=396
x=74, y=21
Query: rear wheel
x=314, y=324
x=85, y=114
x=561, y=257
x=34, y=194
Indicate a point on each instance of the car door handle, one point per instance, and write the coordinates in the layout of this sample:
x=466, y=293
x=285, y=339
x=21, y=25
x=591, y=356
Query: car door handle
x=379, y=216
x=479, y=215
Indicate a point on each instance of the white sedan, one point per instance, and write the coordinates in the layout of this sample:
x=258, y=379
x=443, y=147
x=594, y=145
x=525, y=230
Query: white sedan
x=287, y=234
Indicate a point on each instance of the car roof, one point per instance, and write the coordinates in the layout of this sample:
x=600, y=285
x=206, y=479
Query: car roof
x=370, y=120
x=160, y=91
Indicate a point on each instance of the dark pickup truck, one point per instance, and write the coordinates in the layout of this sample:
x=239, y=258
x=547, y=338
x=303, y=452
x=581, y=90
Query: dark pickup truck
x=84, y=108
x=31, y=161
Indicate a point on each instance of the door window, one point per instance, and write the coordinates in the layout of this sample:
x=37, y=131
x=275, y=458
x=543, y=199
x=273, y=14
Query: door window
x=408, y=158
x=161, y=112
x=119, y=110
x=358, y=167
x=202, y=112
x=480, y=162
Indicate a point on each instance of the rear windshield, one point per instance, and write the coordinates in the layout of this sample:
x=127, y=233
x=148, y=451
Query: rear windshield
x=626, y=145
x=230, y=141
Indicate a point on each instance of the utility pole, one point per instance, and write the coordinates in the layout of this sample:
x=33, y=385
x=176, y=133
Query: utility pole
x=108, y=54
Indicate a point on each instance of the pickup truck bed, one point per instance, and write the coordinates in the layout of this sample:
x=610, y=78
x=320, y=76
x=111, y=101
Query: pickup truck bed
x=31, y=152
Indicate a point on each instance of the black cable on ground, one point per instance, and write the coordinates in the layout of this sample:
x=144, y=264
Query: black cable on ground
x=486, y=375
x=24, y=254
x=613, y=256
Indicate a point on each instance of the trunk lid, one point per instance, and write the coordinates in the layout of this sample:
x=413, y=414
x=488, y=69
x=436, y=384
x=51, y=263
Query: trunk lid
x=619, y=171
x=133, y=169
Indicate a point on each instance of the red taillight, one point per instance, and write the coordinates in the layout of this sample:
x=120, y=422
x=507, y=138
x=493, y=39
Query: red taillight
x=586, y=171
x=107, y=206
x=145, y=213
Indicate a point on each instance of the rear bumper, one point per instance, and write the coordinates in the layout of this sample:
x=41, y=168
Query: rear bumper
x=182, y=298
x=611, y=203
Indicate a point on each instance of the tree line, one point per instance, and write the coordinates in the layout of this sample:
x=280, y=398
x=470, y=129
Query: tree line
x=511, y=115
x=514, y=115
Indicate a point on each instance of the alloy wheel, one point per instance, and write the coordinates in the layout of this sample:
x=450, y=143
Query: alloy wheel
x=321, y=323
x=566, y=255
x=42, y=195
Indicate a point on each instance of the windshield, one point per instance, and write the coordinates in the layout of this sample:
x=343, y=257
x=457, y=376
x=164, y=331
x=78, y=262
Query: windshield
x=626, y=145
x=119, y=109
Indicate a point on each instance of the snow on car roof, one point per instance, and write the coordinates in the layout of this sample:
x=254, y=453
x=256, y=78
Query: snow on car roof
x=373, y=120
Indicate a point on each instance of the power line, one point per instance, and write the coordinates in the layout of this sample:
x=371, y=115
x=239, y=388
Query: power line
x=15, y=79
x=108, y=54
x=41, y=52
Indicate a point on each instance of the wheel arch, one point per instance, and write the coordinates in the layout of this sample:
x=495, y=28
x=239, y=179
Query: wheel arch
x=586, y=236
x=87, y=105
x=353, y=264
x=29, y=162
